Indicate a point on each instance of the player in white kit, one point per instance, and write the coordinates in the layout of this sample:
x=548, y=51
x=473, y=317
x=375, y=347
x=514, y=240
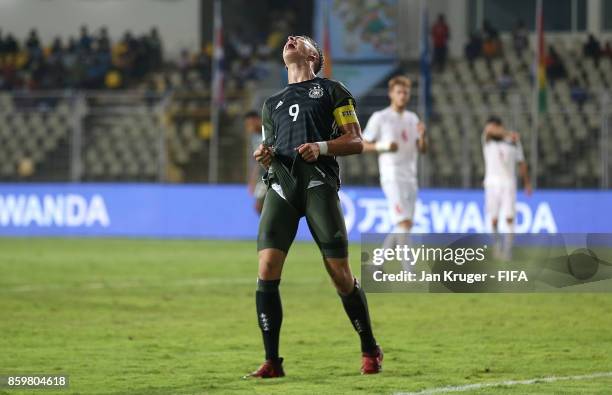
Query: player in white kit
x=502, y=151
x=398, y=136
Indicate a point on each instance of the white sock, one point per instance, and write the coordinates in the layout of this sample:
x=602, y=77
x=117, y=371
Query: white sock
x=403, y=239
x=389, y=241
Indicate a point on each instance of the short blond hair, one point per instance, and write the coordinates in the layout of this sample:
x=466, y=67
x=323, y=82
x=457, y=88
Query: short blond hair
x=401, y=81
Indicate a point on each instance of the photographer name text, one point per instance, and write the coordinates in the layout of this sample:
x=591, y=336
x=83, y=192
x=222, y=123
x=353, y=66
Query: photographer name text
x=450, y=276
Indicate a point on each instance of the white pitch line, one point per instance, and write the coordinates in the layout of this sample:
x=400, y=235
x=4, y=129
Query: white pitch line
x=478, y=386
x=138, y=284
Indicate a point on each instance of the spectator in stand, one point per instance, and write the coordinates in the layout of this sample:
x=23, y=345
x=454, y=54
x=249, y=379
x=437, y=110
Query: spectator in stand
x=56, y=66
x=555, y=69
x=126, y=53
x=491, y=46
x=57, y=48
x=103, y=52
x=155, y=48
x=592, y=49
x=33, y=47
x=69, y=61
x=203, y=65
x=473, y=49
x=99, y=65
x=8, y=77
x=11, y=46
x=141, y=61
x=578, y=93
x=520, y=37
x=85, y=62
x=38, y=71
x=103, y=39
x=440, y=34
x=84, y=40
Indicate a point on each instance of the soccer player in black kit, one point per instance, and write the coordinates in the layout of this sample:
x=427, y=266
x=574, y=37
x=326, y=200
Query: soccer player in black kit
x=305, y=126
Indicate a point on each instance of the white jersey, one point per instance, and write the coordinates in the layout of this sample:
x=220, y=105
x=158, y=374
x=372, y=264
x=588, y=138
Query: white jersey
x=390, y=126
x=501, y=158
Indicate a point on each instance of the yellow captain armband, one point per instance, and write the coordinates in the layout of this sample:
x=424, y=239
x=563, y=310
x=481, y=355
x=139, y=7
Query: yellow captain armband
x=345, y=115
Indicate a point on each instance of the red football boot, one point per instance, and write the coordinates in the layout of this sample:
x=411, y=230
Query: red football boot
x=268, y=370
x=371, y=363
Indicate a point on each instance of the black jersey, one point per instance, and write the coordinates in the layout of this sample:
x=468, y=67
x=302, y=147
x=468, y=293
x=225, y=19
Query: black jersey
x=307, y=112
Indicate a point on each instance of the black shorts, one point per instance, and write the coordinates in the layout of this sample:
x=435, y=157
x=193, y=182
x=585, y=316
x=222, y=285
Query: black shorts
x=321, y=206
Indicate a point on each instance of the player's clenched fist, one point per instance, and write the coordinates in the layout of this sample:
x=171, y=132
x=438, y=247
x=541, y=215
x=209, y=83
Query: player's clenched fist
x=263, y=155
x=309, y=151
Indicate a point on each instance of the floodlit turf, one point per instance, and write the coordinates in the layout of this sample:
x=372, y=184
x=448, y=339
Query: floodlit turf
x=177, y=317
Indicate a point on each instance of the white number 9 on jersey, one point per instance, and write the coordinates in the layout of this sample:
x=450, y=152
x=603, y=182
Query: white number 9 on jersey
x=294, y=110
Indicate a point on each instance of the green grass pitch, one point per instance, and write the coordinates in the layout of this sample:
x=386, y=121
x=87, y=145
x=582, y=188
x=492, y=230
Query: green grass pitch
x=177, y=317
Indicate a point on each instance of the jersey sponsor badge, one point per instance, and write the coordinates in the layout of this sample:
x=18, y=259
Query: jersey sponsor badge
x=280, y=103
x=315, y=92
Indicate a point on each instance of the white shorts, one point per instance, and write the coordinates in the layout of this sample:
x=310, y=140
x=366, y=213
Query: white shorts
x=401, y=199
x=500, y=201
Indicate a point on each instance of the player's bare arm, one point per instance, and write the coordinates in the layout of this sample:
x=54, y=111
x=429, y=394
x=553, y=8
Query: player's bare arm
x=422, y=140
x=379, y=146
x=374, y=145
x=524, y=173
x=349, y=143
x=523, y=168
x=493, y=131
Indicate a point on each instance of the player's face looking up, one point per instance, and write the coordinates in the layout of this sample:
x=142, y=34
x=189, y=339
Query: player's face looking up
x=399, y=96
x=298, y=49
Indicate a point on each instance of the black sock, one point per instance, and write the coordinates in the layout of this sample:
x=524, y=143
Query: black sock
x=356, y=307
x=269, y=315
